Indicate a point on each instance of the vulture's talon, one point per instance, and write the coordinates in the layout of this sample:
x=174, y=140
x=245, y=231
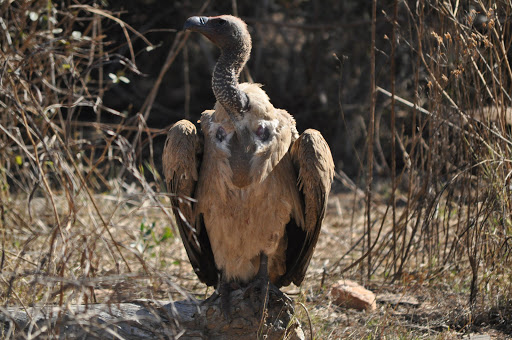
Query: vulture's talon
x=260, y=292
x=210, y=299
x=257, y=293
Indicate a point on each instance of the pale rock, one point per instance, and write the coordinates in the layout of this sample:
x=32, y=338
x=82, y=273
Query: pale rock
x=350, y=294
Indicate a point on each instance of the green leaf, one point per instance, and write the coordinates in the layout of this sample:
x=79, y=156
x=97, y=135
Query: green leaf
x=167, y=234
x=19, y=160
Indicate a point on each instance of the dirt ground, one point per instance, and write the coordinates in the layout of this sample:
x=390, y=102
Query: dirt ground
x=413, y=307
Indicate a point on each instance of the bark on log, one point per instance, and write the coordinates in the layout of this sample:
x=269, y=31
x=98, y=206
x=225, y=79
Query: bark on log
x=150, y=319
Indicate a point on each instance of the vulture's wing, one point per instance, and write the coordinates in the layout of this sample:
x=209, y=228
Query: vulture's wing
x=315, y=168
x=181, y=162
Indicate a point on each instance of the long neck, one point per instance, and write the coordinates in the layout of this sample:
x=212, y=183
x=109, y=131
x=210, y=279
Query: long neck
x=225, y=79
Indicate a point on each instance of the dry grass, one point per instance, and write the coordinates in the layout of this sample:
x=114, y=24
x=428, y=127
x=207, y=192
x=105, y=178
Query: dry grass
x=79, y=221
x=85, y=219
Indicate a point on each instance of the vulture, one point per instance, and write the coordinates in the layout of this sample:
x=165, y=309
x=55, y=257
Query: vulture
x=249, y=193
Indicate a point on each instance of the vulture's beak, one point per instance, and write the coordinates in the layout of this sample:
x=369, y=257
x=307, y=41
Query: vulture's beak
x=195, y=23
x=242, y=150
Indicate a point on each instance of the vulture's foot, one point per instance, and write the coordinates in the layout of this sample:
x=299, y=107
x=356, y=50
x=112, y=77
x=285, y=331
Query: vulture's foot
x=257, y=292
x=224, y=291
x=261, y=290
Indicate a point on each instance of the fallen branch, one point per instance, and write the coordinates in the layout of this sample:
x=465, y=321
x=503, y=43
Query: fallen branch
x=150, y=319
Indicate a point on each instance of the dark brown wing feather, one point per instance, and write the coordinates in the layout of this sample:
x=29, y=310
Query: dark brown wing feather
x=181, y=161
x=313, y=163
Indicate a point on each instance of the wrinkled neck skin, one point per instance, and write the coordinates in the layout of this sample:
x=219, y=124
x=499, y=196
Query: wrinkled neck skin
x=225, y=80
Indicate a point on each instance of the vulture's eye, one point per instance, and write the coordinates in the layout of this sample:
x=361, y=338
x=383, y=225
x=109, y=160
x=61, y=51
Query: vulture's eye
x=263, y=133
x=221, y=134
x=221, y=22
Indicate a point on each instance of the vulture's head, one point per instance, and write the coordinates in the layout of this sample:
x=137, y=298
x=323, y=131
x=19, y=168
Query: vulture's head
x=225, y=31
x=255, y=144
x=230, y=34
x=246, y=129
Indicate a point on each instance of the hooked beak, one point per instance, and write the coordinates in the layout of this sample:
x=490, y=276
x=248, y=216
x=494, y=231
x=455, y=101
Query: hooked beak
x=242, y=150
x=195, y=23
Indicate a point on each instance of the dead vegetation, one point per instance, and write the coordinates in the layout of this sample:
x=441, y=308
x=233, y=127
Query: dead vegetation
x=85, y=219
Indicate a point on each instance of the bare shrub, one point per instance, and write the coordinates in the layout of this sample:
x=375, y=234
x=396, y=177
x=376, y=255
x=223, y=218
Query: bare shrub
x=456, y=222
x=73, y=228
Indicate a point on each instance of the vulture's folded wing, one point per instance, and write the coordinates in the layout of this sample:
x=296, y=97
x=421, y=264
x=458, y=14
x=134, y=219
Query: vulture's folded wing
x=181, y=162
x=315, y=168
